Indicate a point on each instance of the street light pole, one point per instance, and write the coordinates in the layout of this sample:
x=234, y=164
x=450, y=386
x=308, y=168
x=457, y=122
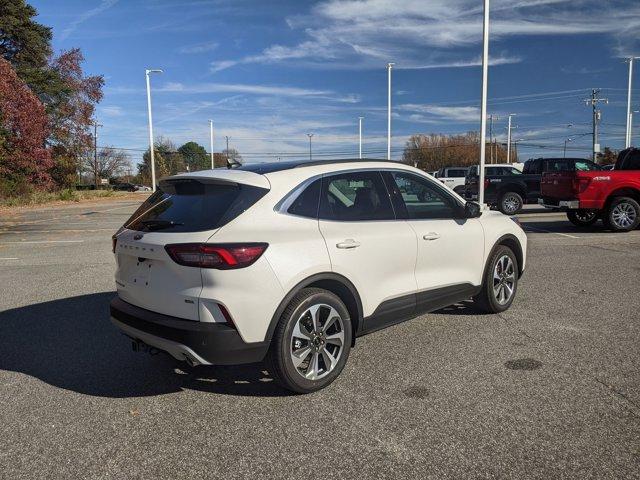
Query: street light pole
x=627, y=142
x=211, y=142
x=310, y=135
x=227, y=138
x=95, y=152
x=483, y=103
x=153, y=165
x=389, y=67
x=564, y=152
x=360, y=137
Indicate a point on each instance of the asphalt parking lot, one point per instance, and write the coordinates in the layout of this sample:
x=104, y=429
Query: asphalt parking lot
x=549, y=389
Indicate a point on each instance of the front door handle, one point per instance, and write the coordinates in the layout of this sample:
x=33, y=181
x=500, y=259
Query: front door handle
x=431, y=236
x=349, y=243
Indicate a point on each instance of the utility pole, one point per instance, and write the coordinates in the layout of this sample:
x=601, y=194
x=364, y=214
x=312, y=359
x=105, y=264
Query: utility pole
x=227, y=137
x=483, y=101
x=493, y=140
x=627, y=142
x=95, y=152
x=596, y=115
x=360, y=137
x=389, y=68
x=310, y=135
x=509, y=138
x=211, y=142
x=490, y=138
x=153, y=164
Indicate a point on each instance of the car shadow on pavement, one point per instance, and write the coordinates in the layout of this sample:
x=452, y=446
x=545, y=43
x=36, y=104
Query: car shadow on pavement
x=562, y=226
x=461, y=308
x=71, y=344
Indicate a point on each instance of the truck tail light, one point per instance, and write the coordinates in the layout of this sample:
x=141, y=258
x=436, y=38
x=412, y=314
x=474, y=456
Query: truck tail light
x=222, y=256
x=486, y=183
x=580, y=184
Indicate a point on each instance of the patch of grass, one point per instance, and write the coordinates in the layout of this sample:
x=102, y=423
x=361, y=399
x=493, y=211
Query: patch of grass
x=66, y=195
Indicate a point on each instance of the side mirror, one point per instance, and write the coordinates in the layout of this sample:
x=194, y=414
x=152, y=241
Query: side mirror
x=472, y=210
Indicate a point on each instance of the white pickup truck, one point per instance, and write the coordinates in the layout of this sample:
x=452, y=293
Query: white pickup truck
x=453, y=177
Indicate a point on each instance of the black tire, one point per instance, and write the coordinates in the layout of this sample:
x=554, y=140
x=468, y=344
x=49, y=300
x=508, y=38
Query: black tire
x=510, y=203
x=279, y=359
x=582, y=218
x=486, y=300
x=622, y=215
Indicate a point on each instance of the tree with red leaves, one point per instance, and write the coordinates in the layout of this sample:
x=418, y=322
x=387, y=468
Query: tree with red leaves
x=24, y=159
x=71, y=113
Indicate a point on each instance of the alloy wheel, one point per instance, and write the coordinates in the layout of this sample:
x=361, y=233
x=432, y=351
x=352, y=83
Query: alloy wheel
x=623, y=215
x=510, y=204
x=504, y=279
x=317, y=341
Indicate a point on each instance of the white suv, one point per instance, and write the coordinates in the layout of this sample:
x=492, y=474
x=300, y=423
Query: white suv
x=290, y=262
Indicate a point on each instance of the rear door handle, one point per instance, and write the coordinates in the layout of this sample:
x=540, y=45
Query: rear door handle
x=431, y=236
x=349, y=243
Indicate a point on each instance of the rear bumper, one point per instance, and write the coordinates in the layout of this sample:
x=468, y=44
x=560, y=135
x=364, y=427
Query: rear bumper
x=559, y=204
x=196, y=342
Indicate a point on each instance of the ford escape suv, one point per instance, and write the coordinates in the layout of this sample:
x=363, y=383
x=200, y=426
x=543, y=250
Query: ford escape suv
x=290, y=262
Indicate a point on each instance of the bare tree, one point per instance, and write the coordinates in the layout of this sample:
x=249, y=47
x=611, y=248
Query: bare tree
x=434, y=151
x=112, y=162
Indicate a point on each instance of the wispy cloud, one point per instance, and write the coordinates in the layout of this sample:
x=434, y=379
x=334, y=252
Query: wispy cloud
x=198, y=48
x=249, y=89
x=111, y=111
x=104, y=5
x=436, y=34
x=441, y=113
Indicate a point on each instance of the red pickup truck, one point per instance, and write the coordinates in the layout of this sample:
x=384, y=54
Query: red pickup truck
x=613, y=195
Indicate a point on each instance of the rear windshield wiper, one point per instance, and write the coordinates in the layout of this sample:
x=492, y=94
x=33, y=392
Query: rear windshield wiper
x=159, y=224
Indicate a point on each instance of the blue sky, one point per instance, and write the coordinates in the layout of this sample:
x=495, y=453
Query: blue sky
x=269, y=72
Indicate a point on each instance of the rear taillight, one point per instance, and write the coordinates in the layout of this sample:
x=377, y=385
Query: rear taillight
x=486, y=183
x=580, y=184
x=222, y=256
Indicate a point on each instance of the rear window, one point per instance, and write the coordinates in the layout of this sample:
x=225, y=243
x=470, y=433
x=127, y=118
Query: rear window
x=192, y=206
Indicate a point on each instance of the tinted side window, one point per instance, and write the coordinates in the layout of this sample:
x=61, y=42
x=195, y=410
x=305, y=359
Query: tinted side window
x=355, y=196
x=422, y=199
x=458, y=172
x=307, y=203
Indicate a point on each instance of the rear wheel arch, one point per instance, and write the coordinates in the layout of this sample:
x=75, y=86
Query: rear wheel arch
x=332, y=282
x=512, y=187
x=623, y=192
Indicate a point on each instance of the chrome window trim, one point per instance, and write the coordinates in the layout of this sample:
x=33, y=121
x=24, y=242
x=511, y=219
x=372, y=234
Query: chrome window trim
x=285, y=203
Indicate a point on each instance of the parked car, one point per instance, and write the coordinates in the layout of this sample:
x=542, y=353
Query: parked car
x=509, y=189
x=587, y=195
x=124, y=187
x=453, y=177
x=290, y=262
x=142, y=188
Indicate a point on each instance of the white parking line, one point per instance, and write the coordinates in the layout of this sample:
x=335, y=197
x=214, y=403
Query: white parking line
x=9, y=258
x=549, y=231
x=84, y=230
x=44, y=241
